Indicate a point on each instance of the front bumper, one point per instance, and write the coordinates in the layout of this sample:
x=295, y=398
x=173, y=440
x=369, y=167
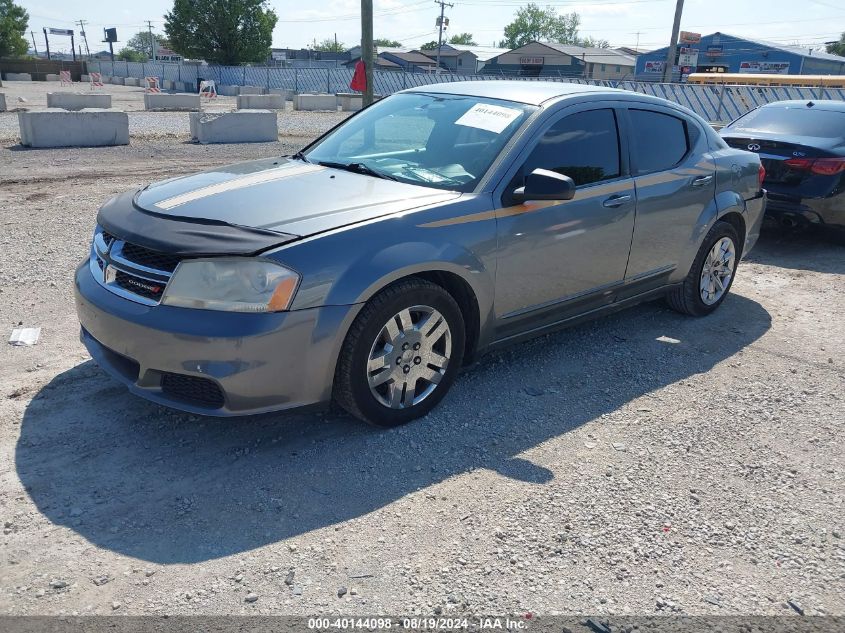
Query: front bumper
x=209, y=362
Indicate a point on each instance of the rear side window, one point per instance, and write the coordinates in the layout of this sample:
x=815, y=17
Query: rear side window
x=660, y=140
x=583, y=146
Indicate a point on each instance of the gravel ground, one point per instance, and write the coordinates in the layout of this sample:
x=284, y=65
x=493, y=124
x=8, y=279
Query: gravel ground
x=150, y=125
x=643, y=463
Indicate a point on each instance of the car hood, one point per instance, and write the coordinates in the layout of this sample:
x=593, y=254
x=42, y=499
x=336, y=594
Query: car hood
x=284, y=196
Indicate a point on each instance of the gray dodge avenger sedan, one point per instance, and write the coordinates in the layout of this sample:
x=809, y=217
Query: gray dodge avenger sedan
x=439, y=223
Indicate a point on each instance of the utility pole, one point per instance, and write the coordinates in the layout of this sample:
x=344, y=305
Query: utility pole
x=443, y=6
x=81, y=24
x=367, y=53
x=47, y=43
x=152, y=40
x=34, y=47
x=637, y=46
x=673, y=44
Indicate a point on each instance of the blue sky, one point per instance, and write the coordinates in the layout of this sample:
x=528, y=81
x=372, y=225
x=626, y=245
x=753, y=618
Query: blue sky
x=809, y=22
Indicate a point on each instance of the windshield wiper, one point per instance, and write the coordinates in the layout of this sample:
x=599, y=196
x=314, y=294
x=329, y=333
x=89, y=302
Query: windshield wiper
x=357, y=168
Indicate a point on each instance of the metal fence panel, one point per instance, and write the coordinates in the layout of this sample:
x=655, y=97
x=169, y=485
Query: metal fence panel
x=713, y=102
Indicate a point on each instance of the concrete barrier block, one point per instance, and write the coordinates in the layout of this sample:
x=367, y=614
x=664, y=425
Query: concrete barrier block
x=261, y=102
x=77, y=100
x=84, y=78
x=131, y=81
x=65, y=128
x=164, y=101
x=52, y=77
x=2, y=102
x=118, y=81
x=252, y=90
x=18, y=77
x=228, y=91
x=315, y=102
x=242, y=126
x=287, y=94
x=168, y=84
x=350, y=102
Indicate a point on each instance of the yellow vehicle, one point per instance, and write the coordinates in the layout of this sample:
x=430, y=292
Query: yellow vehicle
x=753, y=79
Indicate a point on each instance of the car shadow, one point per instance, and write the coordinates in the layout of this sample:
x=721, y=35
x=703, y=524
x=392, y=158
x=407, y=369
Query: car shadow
x=818, y=250
x=168, y=487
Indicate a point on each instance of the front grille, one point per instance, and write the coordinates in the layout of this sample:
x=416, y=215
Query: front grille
x=192, y=389
x=150, y=258
x=140, y=286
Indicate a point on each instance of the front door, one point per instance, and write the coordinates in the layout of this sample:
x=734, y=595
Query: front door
x=559, y=254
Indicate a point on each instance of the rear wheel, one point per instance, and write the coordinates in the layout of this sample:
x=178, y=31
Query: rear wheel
x=401, y=354
x=711, y=274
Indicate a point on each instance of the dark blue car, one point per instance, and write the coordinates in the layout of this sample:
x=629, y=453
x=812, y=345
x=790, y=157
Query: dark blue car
x=802, y=147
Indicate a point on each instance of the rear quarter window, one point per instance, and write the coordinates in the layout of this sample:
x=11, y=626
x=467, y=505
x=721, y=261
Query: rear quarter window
x=660, y=140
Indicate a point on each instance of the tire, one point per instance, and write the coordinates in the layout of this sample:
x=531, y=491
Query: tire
x=691, y=297
x=375, y=373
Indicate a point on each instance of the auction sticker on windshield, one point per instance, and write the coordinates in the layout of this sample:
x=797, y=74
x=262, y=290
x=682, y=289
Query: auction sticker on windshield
x=488, y=117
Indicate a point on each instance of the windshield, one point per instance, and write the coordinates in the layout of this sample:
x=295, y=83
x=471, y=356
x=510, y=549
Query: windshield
x=441, y=141
x=793, y=121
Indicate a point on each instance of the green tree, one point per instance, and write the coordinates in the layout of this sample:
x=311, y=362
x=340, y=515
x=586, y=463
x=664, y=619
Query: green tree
x=328, y=45
x=429, y=46
x=384, y=42
x=589, y=42
x=140, y=42
x=837, y=48
x=533, y=22
x=13, y=23
x=131, y=55
x=463, y=38
x=221, y=31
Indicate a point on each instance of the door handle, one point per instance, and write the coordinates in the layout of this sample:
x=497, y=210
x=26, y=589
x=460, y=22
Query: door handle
x=615, y=201
x=701, y=181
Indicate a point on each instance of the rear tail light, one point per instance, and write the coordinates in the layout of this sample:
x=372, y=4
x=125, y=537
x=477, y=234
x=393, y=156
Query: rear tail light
x=821, y=166
x=761, y=176
x=828, y=166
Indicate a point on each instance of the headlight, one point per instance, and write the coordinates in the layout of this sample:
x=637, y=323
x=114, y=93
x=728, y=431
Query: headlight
x=231, y=284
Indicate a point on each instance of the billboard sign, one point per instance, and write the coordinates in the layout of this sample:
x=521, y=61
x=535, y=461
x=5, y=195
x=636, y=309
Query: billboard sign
x=61, y=31
x=768, y=68
x=654, y=67
x=688, y=57
x=531, y=61
x=688, y=37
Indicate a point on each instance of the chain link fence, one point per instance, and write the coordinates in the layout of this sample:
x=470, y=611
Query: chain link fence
x=716, y=103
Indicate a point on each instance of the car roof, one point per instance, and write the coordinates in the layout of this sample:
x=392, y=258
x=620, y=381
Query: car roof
x=530, y=92
x=828, y=105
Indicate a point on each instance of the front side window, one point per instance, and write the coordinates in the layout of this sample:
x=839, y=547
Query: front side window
x=433, y=140
x=583, y=146
x=660, y=140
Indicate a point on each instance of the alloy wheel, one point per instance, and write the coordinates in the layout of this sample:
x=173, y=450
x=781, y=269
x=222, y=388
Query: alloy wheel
x=409, y=357
x=717, y=271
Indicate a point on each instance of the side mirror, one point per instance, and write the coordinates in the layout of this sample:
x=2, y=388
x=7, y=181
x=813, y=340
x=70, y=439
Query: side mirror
x=542, y=184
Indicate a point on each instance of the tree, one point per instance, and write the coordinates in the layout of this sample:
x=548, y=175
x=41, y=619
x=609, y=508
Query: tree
x=429, y=46
x=535, y=23
x=140, y=43
x=384, y=42
x=589, y=42
x=837, y=48
x=13, y=23
x=131, y=55
x=463, y=38
x=328, y=45
x=221, y=31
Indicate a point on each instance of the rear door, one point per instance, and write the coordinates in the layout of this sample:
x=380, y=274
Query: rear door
x=674, y=176
x=555, y=254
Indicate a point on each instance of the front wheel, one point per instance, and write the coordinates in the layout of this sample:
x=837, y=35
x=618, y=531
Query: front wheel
x=401, y=354
x=711, y=274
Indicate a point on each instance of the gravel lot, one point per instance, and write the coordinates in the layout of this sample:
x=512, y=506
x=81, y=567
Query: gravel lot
x=149, y=125
x=643, y=463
